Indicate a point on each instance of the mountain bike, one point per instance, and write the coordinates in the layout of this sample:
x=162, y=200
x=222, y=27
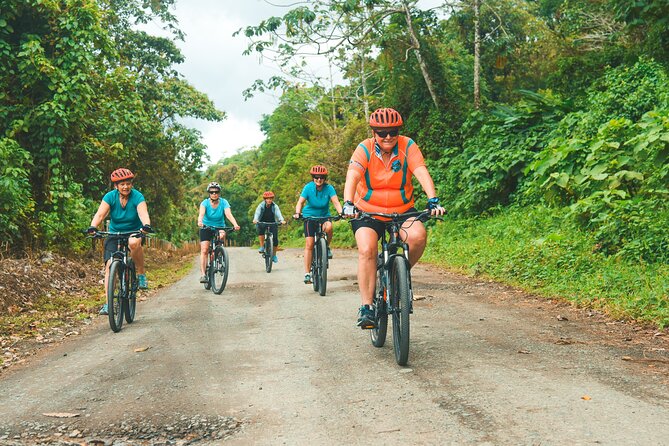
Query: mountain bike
x=319, y=257
x=393, y=294
x=218, y=262
x=122, y=282
x=269, y=244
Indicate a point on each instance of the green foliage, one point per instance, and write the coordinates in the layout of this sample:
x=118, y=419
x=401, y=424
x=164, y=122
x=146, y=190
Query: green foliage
x=83, y=93
x=614, y=177
x=537, y=249
x=489, y=167
x=16, y=203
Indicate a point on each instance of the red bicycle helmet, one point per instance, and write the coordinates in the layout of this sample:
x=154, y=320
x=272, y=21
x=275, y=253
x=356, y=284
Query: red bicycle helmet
x=268, y=194
x=318, y=170
x=121, y=174
x=384, y=118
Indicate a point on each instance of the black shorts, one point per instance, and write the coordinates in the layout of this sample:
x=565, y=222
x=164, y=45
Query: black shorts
x=111, y=246
x=274, y=229
x=207, y=235
x=377, y=225
x=311, y=227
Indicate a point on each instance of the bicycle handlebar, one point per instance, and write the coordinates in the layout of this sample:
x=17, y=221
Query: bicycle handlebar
x=321, y=219
x=220, y=228
x=104, y=234
x=394, y=216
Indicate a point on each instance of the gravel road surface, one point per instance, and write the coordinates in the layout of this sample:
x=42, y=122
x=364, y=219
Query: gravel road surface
x=271, y=362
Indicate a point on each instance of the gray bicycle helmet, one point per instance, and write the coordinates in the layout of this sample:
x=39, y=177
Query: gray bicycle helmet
x=213, y=185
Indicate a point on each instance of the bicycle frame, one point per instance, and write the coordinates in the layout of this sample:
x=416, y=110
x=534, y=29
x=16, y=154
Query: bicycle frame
x=319, y=264
x=217, y=264
x=393, y=295
x=268, y=233
x=127, y=283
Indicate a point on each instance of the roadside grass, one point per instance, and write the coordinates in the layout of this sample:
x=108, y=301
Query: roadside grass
x=536, y=249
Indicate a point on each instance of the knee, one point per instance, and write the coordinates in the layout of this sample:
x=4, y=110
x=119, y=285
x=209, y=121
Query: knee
x=366, y=252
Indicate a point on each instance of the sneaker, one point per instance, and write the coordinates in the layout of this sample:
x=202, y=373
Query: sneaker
x=104, y=309
x=204, y=279
x=366, y=319
x=275, y=259
x=329, y=253
x=142, y=282
x=261, y=250
x=307, y=278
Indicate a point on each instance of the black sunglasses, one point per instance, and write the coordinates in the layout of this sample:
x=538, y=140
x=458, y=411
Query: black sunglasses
x=214, y=192
x=319, y=177
x=384, y=133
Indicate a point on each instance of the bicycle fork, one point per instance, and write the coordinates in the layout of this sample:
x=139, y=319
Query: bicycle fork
x=387, y=285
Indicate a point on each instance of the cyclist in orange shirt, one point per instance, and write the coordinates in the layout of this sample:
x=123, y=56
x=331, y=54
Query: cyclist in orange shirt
x=379, y=179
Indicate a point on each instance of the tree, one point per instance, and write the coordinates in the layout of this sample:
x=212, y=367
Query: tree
x=328, y=26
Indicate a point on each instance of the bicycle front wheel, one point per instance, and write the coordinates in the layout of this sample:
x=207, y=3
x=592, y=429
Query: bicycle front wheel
x=315, y=279
x=115, y=295
x=220, y=270
x=269, y=251
x=378, y=333
x=322, y=266
x=400, y=302
x=207, y=272
x=131, y=301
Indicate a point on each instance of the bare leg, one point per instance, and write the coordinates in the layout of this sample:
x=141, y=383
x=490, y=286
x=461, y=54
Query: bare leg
x=308, y=253
x=367, y=241
x=415, y=235
x=137, y=253
x=204, y=250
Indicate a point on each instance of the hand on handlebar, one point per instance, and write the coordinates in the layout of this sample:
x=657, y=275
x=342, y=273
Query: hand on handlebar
x=92, y=230
x=349, y=210
x=297, y=215
x=434, y=207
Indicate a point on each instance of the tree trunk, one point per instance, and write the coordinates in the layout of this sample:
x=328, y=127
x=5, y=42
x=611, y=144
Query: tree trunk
x=416, y=50
x=477, y=56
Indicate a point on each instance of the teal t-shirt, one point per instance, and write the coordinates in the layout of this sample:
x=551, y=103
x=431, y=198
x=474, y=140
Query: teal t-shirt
x=318, y=201
x=123, y=219
x=214, y=217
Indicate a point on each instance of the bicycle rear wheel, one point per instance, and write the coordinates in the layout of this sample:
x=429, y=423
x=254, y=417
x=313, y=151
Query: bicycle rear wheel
x=115, y=295
x=131, y=301
x=378, y=333
x=220, y=270
x=322, y=266
x=400, y=302
x=269, y=250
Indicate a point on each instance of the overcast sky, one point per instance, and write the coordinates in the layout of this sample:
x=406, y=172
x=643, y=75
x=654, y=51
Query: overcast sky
x=215, y=66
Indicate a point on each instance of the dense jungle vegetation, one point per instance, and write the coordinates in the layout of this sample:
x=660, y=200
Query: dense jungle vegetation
x=545, y=124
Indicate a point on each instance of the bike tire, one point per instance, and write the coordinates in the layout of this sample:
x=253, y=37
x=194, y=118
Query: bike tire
x=207, y=268
x=115, y=296
x=322, y=266
x=269, y=250
x=378, y=333
x=400, y=301
x=131, y=301
x=220, y=270
x=315, y=279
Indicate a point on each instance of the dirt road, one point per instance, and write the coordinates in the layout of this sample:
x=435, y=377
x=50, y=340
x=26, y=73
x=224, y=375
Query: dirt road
x=271, y=362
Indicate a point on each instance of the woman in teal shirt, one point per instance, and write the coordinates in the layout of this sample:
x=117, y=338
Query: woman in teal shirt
x=317, y=195
x=127, y=212
x=212, y=212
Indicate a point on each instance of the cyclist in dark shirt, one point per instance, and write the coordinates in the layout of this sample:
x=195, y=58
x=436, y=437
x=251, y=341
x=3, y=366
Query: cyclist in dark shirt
x=268, y=212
